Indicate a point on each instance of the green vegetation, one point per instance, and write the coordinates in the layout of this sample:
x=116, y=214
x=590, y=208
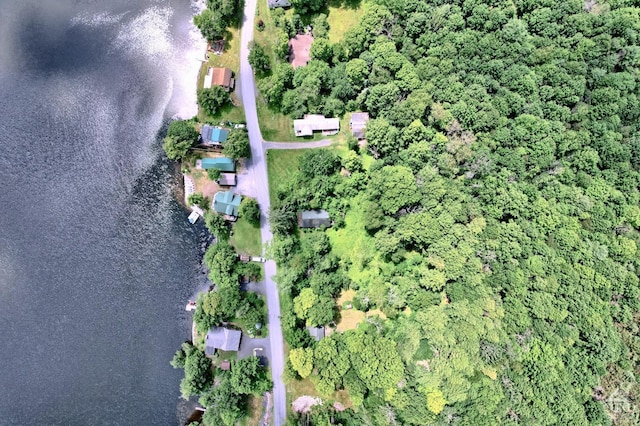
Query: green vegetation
x=496, y=227
x=281, y=168
x=246, y=237
x=213, y=174
x=237, y=145
x=212, y=100
x=217, y=17
x=250, y=210
x=181, y=136
x=226, y=400
x=197, y=199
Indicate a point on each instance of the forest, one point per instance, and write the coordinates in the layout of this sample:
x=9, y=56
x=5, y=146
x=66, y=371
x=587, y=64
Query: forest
x=491, y=219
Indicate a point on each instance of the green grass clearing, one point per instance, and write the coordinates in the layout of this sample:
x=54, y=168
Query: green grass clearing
x=246, y=238
x=282, y=164
x=342, y=19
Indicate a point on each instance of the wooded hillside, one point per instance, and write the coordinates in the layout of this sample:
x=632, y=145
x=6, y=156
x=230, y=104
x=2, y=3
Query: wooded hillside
x=497, y=228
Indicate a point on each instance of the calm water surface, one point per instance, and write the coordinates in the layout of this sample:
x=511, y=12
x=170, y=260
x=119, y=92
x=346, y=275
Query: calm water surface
x=96, y=258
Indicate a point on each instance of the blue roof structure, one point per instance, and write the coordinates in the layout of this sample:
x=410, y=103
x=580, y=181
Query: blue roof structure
x=223, y=164
x=212, y=134
x=226, y=202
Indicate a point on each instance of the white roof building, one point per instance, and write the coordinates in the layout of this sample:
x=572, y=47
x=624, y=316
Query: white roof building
x=316, y=123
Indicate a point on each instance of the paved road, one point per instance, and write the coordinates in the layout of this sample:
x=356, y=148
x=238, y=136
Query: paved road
x=257, y=169
x=296, y=145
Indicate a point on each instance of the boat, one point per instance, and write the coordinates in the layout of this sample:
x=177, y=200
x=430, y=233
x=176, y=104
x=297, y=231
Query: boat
x=193, y=217
x=191, y=306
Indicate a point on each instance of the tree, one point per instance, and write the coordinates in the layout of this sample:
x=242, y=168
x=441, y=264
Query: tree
x=211, y=100
x=281, y=219
x=237, y=145
x=249, y=377
x=321, y=49
x=211, y=25
x=258, y=59
x=250, y=210
x=197, y=199
x=302, y=361
x=181, y=136
x=357, y=71
x=320, y=26
x=305, y=7
x=222, y=260
x=382, y=137
x=217, y=225
x=224, y=406
x=197, y=374
x=213, y=174
x=316, y=310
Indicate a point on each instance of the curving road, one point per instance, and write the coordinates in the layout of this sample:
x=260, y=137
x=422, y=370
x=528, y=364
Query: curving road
x=257, y=170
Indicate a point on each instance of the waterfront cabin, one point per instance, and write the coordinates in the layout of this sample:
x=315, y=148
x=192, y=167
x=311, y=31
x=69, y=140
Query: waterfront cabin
x=213, y=135
x=220, y=338
x=316, y=123
x=358, y=124
x=227, y=203
x=223, y=164
x=222, y=77
x=314, y=219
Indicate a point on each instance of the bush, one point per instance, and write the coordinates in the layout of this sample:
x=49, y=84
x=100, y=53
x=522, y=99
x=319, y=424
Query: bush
x=211, y=100
x=213, y=174
x=250, y=210
x=197, y=199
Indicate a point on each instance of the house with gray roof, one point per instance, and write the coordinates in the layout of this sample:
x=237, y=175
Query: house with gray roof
x=358, y=124
x=316, y=332
x=223, y=339
x=314, y=219
x=278, y=3
x=227, y=179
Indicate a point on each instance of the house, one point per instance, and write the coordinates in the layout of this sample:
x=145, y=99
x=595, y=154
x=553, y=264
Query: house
x=227, y=179
x=314, y=123
x=223, y=164
x=313, y=219
x=222, y=339
x=227, y=203
x=213, y=135
x=358, y=124
x=278, y=3
x=316, y=332
x=219, y=77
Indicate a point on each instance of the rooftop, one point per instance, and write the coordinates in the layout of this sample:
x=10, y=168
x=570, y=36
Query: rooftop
x=313, y=122
x=223, y=339
x=226, y=202
x=214, y=134
x=223, y=164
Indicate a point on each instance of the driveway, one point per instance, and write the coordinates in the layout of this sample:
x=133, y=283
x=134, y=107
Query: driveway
x=296, y=145
x=257, y=170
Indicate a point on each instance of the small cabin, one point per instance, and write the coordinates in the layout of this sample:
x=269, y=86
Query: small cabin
x=223, y=164
x=314, y=219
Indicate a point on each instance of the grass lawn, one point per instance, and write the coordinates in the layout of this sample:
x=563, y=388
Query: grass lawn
x=281, y=166
x=343, y=18
x=254, y=411
x=298, y=388
x=246, y=238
